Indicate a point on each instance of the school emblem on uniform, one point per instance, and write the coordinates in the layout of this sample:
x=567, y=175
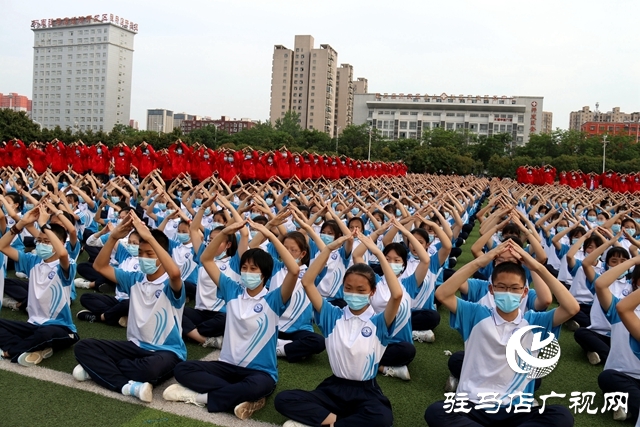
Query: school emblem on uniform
x=334, y=256
x=136, y=266
x=366, y=332
x=158, y=292
x=175, y=225
x=187, y=255
x=625, y=292
x=300, y=274
x=51, y=275
x=257, y=308
x=223, y=267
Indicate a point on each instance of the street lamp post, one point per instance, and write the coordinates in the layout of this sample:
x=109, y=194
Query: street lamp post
x=604, y=151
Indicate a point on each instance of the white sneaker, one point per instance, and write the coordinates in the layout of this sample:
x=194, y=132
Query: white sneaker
x=30, y=359
x=620, y=414
x=143, y=391
x=401, y=372
x=9, y=302
x=423, y=336
x=451, y=385
x=594, y=358
x=572, y=325
x=178, y=393
x=246, y=409
x=79, y=374
x=82, y=283
x=214, y=342
x=123, y=321
x=292, y=423
x=21, y=275
x=280, y=352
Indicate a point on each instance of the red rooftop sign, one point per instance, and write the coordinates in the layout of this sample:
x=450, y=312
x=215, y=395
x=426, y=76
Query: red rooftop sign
x=84, y=20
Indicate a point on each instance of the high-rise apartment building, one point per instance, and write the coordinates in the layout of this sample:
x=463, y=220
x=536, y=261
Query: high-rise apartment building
x=160, y=120
x=82, y=68
x=305, y=80
x=361, y=86
x=578, y=118
x=547, y=122
x=15, y=102
x=178, y=118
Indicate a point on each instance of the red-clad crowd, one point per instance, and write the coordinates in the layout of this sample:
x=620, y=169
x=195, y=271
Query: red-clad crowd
x=197, y=160
x=616, y=182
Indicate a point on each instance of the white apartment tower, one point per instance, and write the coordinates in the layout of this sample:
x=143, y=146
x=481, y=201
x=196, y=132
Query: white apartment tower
x=82, y=69
x=308, y=81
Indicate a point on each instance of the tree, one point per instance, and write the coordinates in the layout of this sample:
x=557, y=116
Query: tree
x=289, y=123
x=18, y=125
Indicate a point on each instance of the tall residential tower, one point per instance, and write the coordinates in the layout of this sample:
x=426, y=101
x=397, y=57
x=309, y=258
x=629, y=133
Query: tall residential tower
x=82, y=68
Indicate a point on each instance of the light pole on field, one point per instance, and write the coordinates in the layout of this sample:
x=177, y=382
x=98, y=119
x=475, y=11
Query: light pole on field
x=604, y=151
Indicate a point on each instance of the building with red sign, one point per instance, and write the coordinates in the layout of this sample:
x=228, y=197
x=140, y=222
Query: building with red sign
x=15, y=102
x=223, y=123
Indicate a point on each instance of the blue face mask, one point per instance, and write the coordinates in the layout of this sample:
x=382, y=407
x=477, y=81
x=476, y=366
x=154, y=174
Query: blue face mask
x=115, y=199
x=207, y=211
x=44, y=251
x=198, y=202
x=179, y=193
x=270, y=202
x=592, y=218
x=560, y=229
x=161, y=206
x=564, y=205
x=356, y=301
x=507, y=302
x=251, y=280
x=221, y=256
x=432, y=237
x=600, y=223
x=397, y=268
x=615, y=228
x=183, y=237
x=326, y=238
x=179, y=151
x=148, y=265
x=355, y=211
x=398, y=212
x=28, y=206
x=574, y=240
x=630, y=231
x=80, y=199
x=253, y=233
x=253, y=215
x=99, y=150
x=132, y=249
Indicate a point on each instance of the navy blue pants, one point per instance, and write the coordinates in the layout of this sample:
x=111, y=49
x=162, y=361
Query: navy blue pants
x=86, y=270
x=355, y=403
x=398, y=354
x=593, y=341
x=17, y=289
x=190, y=290
x=611, y=381
x=112, y=364
x=553, y=416
x=424, y=320
x=584, y=316
x=22, y=337
x=208, y=323
x=303, y=345
x=99, y=304
x=226, y=385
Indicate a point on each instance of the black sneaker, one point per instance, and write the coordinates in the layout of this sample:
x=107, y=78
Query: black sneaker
x=86, y=315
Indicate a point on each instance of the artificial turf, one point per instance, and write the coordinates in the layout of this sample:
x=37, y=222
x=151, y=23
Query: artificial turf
x=29, y=402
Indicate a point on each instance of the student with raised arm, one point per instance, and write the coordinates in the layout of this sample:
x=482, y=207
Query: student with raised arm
x=246, y=371
x=486, y=333
x=50, y=326
x=622, y=372
x=356, y=339
x=154, y=344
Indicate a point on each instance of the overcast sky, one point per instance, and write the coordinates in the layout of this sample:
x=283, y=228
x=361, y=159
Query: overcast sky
x=214, y=57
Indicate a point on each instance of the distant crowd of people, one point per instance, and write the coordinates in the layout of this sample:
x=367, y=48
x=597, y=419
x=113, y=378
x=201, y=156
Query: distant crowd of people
x=197, y=160
x=546, y=175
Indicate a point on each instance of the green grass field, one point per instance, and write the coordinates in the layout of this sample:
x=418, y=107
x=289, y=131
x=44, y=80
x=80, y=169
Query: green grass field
x=30, y=402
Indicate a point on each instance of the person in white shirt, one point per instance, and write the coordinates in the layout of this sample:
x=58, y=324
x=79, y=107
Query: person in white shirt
x=356, y=339
x=50, y=326
x=246, y=371
x=486, y=333
x=622, y=372
x=157, y=298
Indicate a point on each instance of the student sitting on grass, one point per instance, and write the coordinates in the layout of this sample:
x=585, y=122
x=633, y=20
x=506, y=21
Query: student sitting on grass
x=154, y=329
x=486, y=333
x=356, y=339
x=622, y=370
x=246, y=371
x=50, y=326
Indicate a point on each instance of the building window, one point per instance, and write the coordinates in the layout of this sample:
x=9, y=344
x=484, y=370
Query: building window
x=520, y=119
x=484, y=127
x=403, y=125
x=413, y=125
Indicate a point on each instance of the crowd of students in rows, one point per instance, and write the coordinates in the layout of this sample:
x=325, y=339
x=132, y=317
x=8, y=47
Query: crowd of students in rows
x=361, y=261
x=547, y=175
x=197, y=160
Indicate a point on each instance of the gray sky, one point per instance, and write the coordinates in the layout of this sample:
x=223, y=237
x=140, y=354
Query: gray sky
x=214, y=57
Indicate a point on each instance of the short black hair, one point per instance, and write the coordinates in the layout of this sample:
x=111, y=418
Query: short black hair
x=597, y=240
x=60, y=232
x=337, y=232
x=400, y=249
x=358, y=219
x=261, y=259
x=618, y=252
x=578, y=230
x=160, y=237
x=510, y=268
x=422, y=233
x=365, y=271
x=511, y=230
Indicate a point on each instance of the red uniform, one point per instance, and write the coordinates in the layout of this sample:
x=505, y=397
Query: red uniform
x=56, y=153
x=99, y=158
x=296, y=166
x=267, y=161
x=163, y=162
x=283, y=162
x=247, y=162
x=229, y=169
x=144, y=158
x=17, y=153
x=307, y=162
x=122, y=158
x=77, y=158
x=179, y=157
x=38, y=159
x=206, y=160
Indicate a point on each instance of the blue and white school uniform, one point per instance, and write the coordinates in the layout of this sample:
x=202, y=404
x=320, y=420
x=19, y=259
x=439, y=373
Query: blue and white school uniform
x=355, y=346
x=184, y=257
x=329, y=281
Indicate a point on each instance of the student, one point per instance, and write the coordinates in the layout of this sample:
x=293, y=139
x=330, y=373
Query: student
x=622, y=372
x=356, y=339
x=105, y=308
x=157, y=299
x=246, y=371
x=50, y=326
x=486, y=334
